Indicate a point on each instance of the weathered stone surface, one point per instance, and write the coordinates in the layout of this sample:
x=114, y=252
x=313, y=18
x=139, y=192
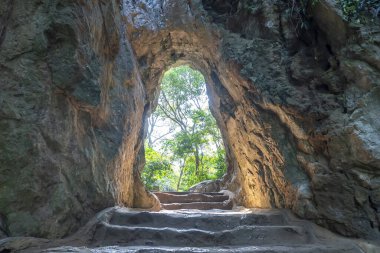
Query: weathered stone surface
x=243, y=230
x=3, y=233
x=292, y=104
x=200, y=201
x=297, y=108
x=207, y=186
x=167, y=197
x=67, y=114
x=226, y=205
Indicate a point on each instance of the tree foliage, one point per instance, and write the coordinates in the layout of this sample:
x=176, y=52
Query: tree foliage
x=188, y=136
x=353, y=10
x=157, y=171
x=356, y=11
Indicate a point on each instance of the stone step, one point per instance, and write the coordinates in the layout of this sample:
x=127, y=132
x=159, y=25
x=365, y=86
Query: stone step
x=227, y=205
x=313, y=248
x=165, y=197
x=211, y=222
x=186, y=193
x=122, y=230
x=107, y=234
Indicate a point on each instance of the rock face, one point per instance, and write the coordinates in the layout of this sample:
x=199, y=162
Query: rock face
x=298, y=108
x=70, y=115
x=207, y=186
x=198, y=201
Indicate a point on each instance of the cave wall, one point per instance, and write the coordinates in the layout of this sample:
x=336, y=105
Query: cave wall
x=297, y=108
x=296, y=103
x=70, y=115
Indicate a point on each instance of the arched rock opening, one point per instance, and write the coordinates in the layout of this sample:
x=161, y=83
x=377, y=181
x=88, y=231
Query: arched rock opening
x=261, y=151
x=277, y=92
x=298, y=109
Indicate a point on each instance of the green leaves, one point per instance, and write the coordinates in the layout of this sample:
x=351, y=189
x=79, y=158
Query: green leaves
x=157, y=171
x=350, y=8
x=355, y=10
x=192, y=145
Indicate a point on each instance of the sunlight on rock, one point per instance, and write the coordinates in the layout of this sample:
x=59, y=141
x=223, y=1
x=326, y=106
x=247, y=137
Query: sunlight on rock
x=222, y=104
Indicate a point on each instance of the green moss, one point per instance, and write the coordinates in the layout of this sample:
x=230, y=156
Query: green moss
x=357, y=11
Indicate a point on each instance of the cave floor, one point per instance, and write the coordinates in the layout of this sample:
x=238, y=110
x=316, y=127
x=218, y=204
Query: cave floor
x=117, y=230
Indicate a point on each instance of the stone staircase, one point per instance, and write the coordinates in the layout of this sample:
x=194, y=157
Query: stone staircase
x=121, y=230
x=191, y=200
x=214, y=231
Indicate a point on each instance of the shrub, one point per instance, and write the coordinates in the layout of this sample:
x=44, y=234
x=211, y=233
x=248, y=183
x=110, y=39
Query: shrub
x=354, y=10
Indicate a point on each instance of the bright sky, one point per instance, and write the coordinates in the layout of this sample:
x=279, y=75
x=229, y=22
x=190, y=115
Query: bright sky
x=162, y=126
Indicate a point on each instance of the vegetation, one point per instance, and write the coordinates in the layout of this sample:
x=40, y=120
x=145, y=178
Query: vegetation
x=298, y=10
x=184, y=145
x=356, y=11
x=158, y=172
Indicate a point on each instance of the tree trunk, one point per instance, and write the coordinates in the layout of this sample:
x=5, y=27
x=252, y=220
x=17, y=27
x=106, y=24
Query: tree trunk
x=196, y=160
x=181, y=173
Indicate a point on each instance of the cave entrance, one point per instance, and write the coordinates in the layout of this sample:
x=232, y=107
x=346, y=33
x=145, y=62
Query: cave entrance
x=183, y=146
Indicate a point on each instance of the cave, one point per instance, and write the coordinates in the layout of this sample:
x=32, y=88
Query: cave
x=294, y=91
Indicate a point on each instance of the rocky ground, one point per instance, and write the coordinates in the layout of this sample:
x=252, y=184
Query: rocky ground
x=239, y=230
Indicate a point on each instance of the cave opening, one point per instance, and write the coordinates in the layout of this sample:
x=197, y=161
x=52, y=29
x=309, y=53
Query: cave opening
x=183, y=145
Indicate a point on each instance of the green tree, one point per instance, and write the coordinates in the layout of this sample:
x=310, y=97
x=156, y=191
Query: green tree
x=193, y=142
x=157, y=171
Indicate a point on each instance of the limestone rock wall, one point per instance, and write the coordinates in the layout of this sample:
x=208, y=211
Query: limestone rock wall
x=71, y=109
x=316, y=93
x=297, y=105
